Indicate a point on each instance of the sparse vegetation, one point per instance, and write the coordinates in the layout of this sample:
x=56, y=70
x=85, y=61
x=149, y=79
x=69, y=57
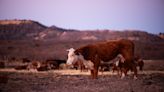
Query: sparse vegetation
x=149, y=80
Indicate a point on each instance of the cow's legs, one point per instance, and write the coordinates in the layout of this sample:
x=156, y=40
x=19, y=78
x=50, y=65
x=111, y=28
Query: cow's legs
x=96, y=67
x=118, y=72
x=123, y=72
x=95, y=73
x=135, y=72
x=92, y=74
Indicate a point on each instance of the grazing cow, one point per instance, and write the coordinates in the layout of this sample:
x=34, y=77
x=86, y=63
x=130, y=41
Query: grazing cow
x=92, y=54
x=139, y=63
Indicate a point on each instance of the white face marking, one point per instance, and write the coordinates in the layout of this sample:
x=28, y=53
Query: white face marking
x=72, y=57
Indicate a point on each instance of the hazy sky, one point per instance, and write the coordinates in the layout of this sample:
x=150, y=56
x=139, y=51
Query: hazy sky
x=146, y=15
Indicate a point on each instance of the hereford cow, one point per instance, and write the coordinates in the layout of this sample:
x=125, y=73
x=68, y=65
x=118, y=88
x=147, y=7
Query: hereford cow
x=92, y=54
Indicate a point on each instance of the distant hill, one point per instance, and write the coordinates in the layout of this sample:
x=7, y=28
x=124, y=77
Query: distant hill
x=22, y=29
x=109, y=35
x=28, y=29
x=28, y=38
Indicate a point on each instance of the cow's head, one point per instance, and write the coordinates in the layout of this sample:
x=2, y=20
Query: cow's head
x=72, y=57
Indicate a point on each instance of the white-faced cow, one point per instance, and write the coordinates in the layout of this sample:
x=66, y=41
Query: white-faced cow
x=118, y=65
x=92, y=54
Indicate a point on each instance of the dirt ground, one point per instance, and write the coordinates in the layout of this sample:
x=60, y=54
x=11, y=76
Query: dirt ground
x=75, y=81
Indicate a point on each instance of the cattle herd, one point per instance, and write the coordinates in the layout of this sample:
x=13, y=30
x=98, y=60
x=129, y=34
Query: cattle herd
x=114, y=55
x=42, y=66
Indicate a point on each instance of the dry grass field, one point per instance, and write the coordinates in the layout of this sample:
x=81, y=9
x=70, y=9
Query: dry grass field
x=149, y=80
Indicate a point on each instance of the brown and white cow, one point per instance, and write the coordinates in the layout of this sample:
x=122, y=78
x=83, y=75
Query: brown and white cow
x=92, y=54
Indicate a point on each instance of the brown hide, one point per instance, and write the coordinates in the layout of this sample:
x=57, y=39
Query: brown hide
x=107, y=51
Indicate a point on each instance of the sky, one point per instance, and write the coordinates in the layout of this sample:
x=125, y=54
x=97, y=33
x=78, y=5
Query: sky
x=146, y=15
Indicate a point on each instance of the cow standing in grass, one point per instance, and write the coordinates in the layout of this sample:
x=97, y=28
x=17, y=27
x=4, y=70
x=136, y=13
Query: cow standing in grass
x=92, y=54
